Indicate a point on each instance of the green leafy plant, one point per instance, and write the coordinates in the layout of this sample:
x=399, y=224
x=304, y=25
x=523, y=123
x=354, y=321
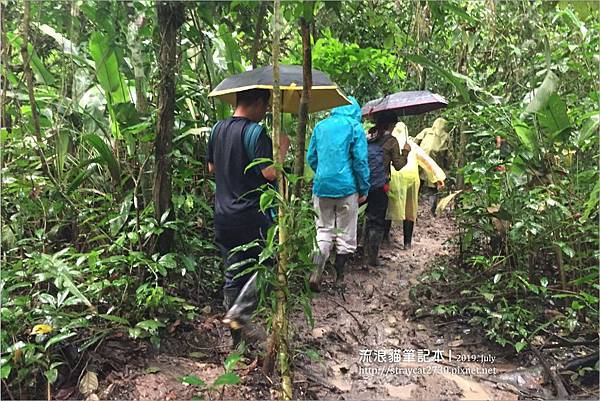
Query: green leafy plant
x=228, y=378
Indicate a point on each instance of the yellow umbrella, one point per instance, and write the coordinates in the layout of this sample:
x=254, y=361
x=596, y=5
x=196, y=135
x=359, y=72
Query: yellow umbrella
x=325, y=93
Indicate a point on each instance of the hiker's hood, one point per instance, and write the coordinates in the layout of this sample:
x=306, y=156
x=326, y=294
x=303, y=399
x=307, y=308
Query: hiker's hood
x=439, y=125
x=350, y=110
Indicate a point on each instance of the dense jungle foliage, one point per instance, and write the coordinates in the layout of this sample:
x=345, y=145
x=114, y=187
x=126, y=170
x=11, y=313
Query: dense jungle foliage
x=89, y=247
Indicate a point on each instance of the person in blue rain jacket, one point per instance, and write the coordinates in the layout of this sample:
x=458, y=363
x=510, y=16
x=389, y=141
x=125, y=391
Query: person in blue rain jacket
x=337, y=153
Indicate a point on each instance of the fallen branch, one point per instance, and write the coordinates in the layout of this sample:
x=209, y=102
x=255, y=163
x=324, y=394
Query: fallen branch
x=587, y=360
x=566, y=341
x=503, y=386
x=563, y=344
x=5, y=386
x=360, y=326
x=561, y=391
x=449, y=322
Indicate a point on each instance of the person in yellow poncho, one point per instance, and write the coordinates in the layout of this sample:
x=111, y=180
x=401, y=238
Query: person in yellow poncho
x=404, y=184
x=434, y=142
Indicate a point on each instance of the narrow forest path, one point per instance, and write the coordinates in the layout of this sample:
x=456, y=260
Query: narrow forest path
x=375, y=315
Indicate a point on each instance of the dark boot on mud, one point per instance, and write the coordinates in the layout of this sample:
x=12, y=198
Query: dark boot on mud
x=315, y=278
x=340, y=264
x=375, y=238
x=365, y=253
x=433, y=199
x=229, y=297
x=386, y=233
x=408, y=226
x=236, y=337
x=255, y=339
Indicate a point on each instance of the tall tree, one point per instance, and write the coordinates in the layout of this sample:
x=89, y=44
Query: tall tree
x=305, y=22
x=278, y=343
x=27, y=71
x=134, y=42
x=170, y=18
x=262, y=10
x=5, y=120
x=73, y=28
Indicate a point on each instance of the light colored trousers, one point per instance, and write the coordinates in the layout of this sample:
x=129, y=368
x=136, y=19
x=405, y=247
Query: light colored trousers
x=337, y=219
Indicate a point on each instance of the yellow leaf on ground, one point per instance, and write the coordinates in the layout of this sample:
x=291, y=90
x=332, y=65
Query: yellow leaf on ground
x=444, y=202
x=40, y=329
x=88, y=383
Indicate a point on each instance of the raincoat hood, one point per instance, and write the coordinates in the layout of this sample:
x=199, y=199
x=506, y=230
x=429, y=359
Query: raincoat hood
x=400, y=132
x=337, y=153
x=351, y=110
x=439, y=125
x=404, y=183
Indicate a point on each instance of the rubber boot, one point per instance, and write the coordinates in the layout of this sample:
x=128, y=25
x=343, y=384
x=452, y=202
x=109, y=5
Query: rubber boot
x=241, y=311
x=315, y=278
x=229, y=297
x=340, y=264
x=386, y=232
x=408, y=226
x=433, y=199
x=375, y=238
x=362, y=240
x=365, y=250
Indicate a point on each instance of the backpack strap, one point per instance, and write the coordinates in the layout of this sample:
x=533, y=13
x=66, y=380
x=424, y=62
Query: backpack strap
x=212, y=133
x=251, y=133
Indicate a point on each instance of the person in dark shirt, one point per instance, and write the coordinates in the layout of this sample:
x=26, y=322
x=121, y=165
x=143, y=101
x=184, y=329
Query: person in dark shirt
x=234, y=143
x=383, y=150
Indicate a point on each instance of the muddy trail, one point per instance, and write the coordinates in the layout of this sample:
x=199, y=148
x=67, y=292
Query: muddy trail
x=365, y=344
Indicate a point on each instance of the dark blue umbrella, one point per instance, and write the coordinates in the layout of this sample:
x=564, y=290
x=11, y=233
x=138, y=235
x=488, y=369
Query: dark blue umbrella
x=405, y=103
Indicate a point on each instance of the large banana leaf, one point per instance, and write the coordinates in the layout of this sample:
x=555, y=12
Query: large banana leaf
x=583, y=8
x=550, y=109
x=588, y=130
x=458, y=83
x=554, y=116
x=231, y=49
x=62, y=146
x=440, y=8
x=538, y=98
x=526, y=135
x=37, y=65
x=107, y=69
x=67, y=45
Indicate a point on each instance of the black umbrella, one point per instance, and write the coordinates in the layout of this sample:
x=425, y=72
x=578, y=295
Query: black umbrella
x=406, y=103
x=325, y=93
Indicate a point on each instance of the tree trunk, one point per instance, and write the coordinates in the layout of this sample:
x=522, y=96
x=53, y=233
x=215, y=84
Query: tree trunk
x=461, y=67
x=278, y=344
x=304, y=100
x=137, y=60
x=69, y=85
x=35, y=117
x=258, y=32
x=462, y=146
x=170, y=17
x=5, y=121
